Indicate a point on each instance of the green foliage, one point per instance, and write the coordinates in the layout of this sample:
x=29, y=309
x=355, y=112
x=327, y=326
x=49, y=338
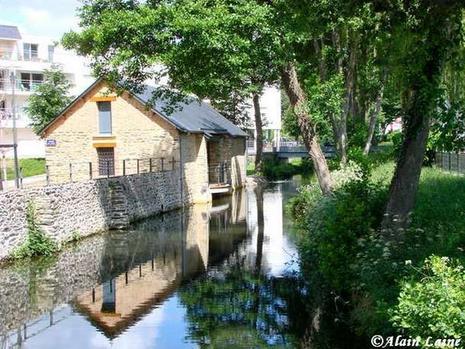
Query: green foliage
x=29, y=167
x=49, y=98
x=397, y=139
x=275, y=169
x=358, y=133
x=37, y=243
x=333, y=224
x=432, y=300
x=340, y=240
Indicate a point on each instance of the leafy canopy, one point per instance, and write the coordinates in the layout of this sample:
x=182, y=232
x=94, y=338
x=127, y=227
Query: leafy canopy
x=49, y=98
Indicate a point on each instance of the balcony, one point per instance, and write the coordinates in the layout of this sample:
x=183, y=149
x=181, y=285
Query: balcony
x=6, y=118
x=21, y=86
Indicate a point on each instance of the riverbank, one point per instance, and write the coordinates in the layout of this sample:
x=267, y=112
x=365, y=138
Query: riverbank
x=382, y=283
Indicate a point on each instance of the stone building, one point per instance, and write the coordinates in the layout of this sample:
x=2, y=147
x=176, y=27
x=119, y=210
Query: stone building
x=102, y=134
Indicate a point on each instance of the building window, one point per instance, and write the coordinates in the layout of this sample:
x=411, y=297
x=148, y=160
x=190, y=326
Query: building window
x=29, y=81
x=3, y=79
x=106, y=161
x=104, y=118
x=51, y=52
x=31, y=52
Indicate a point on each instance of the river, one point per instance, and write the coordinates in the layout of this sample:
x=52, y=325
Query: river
x=211, y=275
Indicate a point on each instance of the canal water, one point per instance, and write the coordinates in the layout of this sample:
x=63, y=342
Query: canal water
x=218, y=275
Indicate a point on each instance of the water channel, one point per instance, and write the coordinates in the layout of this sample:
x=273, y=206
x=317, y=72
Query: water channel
x=211, y=275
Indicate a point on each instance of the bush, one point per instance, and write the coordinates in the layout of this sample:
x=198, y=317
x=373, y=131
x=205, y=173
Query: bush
x=397, y=138
x=333, y=225
x=37, y=243
x=274, y=169
x=432, y=301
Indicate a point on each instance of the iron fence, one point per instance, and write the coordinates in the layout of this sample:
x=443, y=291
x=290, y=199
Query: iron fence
x=220, y=173
x=78, y=171
x=452, y=162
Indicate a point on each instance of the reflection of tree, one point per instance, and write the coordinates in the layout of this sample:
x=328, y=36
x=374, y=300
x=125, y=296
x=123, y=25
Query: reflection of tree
x=260, y=226
x=239, y=309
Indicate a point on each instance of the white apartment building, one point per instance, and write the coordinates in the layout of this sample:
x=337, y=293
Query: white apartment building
x=270, y=105
x=23, y=59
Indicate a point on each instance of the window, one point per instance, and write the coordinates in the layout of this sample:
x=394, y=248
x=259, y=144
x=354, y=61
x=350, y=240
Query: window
x=104, y=118
x=106, y=161
x=51, y=51
x=3, y=79
x=30, y=80
x=31, y=52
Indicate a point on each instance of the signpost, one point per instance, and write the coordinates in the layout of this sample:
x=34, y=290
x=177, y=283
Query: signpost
x=15, y=134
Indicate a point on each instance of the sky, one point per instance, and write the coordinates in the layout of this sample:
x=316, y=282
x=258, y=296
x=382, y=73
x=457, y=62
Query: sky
x=49, y=18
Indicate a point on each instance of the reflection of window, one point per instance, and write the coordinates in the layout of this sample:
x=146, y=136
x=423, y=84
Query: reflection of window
x=31, y=52
x=109, y=297
x=29, y=81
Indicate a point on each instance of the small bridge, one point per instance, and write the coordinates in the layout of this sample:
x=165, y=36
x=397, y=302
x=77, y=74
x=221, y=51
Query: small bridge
x=287, y=150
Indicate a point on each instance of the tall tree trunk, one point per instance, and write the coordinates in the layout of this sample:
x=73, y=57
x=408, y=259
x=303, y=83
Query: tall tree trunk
x=373, y=118
x=419, y=104
x=340, y=123
x=259, y=130
x=404, y=184
x=299, y=104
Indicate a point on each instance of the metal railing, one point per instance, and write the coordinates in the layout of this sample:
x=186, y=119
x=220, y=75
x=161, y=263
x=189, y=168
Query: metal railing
x=452, y=162
x=220, y=173
x=81, y=171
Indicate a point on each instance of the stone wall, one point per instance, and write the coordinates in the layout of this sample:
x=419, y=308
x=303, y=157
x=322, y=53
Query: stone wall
x=195, y=168
x=86, y=207
x=231, y=150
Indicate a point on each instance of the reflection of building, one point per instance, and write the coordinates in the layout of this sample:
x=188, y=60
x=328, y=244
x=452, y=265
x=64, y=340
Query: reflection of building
x=27, y=57
x=122, y=300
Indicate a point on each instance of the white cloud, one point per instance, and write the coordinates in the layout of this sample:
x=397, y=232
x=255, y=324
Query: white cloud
x=35, y=16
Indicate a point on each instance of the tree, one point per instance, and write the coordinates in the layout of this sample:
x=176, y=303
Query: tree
x=427, y=34
x=209, y=48
x=206, y=48
x=49, y=98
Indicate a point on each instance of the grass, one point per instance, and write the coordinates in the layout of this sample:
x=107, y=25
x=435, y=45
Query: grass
x=29, y=167
x=250, y=168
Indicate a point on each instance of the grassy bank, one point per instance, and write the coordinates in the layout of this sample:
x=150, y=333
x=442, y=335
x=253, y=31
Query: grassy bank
x=29, y=167
x=388, y=278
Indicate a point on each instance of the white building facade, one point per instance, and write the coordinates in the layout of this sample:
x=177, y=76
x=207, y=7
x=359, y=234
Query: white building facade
x=270, y=106
x=23, y=59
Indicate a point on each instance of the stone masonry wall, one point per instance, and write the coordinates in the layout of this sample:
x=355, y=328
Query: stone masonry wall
x=85, y=207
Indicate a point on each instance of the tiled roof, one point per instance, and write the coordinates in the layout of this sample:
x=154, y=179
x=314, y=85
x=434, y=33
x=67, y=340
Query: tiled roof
x=9, y=32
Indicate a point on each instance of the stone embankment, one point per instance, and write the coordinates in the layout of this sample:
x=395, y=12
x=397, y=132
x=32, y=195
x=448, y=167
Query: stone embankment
x=84, y=208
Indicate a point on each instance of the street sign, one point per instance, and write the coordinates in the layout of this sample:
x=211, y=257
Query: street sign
x=51, y=143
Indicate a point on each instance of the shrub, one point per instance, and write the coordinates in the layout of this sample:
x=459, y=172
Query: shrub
x=432, y=301
x=397, y=139
x=274, y=169
x=334, y=224
x=37, y=243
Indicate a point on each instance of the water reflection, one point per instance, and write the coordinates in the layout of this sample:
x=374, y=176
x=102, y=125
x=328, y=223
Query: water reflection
x=207, y=275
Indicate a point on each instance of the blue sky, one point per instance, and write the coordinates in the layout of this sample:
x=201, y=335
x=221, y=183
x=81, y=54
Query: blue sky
x=51, y=18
